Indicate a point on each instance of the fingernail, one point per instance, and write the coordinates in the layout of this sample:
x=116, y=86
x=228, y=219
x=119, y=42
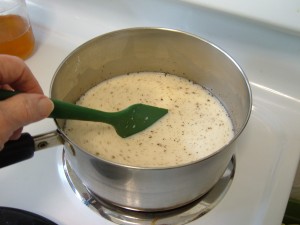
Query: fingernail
x=45, y=106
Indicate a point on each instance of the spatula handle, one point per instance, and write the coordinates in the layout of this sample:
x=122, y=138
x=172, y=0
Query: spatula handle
x=66, y=110
x=5, y=94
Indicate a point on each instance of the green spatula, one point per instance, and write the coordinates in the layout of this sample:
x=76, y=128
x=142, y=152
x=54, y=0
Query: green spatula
x=126, y=122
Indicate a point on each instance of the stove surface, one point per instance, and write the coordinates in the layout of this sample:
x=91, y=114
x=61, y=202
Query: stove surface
x=268, y=149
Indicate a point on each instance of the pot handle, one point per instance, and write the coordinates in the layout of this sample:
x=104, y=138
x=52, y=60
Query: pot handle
x=17, y=150
x=24, y=148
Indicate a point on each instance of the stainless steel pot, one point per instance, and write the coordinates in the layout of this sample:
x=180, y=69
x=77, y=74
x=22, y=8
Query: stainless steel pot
x=162, y=50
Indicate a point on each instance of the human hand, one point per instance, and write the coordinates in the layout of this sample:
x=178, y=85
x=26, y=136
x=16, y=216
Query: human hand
x=21, y=109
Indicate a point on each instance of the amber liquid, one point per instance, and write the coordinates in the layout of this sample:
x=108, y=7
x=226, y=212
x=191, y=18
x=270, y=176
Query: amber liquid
x=16, y=37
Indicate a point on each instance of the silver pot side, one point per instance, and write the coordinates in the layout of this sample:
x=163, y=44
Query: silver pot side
x=155, y=50
x=147, y=189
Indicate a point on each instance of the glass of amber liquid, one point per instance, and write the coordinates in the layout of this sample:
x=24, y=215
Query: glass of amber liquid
x=16, y=36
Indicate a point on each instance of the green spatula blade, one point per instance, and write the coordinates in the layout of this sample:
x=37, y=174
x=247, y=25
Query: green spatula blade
x=137, y=118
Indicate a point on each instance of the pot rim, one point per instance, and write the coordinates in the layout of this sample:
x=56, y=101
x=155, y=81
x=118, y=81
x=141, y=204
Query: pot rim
x=236, y=132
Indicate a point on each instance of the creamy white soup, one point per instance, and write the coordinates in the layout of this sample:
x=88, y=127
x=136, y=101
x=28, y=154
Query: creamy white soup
x=196, y=125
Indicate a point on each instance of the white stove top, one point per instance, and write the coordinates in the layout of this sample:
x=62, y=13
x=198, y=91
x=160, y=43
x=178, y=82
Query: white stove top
x=268, y=149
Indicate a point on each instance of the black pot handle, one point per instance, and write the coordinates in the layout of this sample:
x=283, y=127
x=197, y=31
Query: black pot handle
x=17, y=151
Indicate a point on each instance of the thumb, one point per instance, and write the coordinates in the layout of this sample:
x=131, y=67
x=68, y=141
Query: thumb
x=21, y=110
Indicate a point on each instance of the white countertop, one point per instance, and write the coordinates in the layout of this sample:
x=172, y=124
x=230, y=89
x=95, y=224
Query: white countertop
x=281, y=14
x=268, y=149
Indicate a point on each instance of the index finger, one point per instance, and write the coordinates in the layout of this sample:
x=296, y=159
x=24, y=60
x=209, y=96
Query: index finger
x=15, y=73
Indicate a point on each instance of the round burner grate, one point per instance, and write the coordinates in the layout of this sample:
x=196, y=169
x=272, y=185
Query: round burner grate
x=179, y=216
x=13, y=216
